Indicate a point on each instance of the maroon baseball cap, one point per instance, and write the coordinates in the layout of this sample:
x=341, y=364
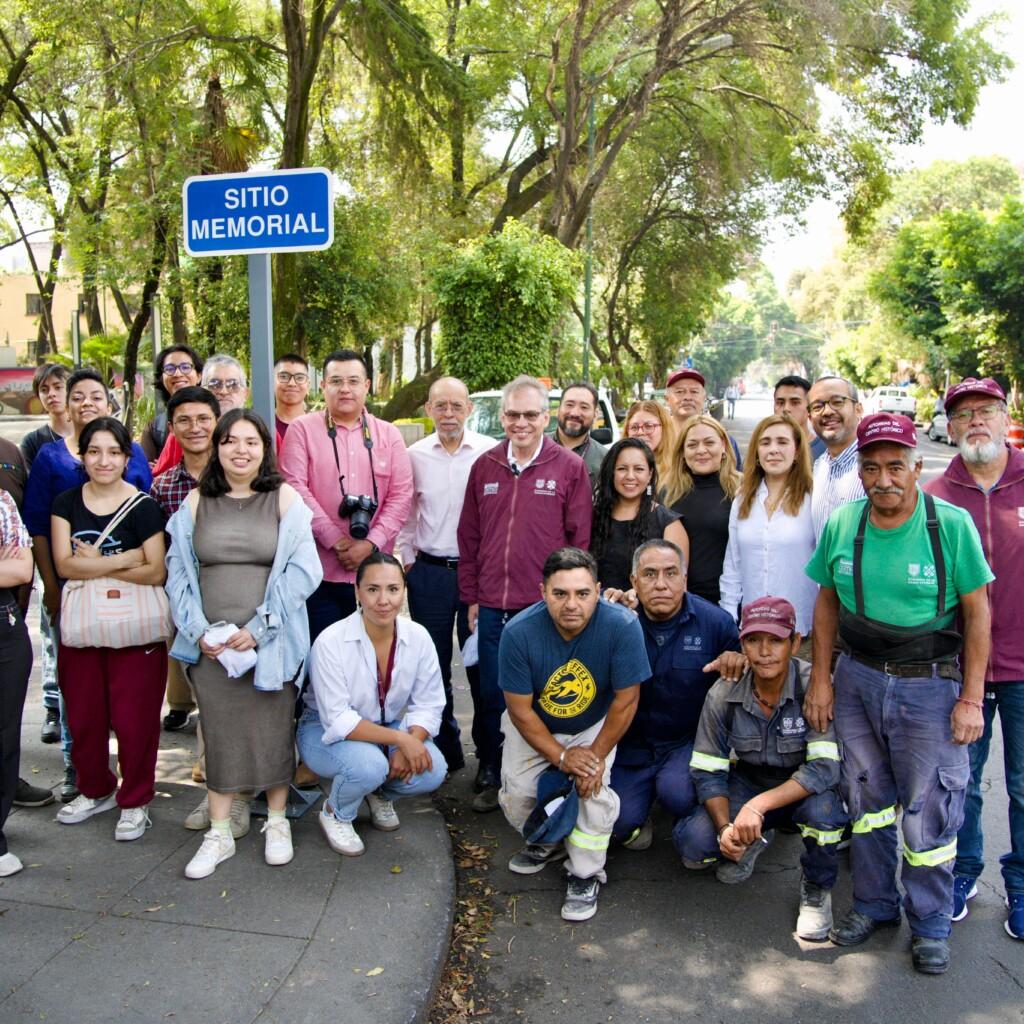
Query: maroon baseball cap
x=685, y=375
x=890, y=427
x=974, y=386
x=773, y=615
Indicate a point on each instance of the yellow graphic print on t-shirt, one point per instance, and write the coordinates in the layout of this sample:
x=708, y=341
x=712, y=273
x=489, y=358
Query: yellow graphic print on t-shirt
x=569, y=691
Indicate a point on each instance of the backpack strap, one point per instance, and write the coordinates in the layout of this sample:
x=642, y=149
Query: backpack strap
x=932, y=522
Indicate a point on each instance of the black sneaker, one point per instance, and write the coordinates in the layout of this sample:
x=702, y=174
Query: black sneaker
x=536, y=857
x=69, y=788
x=50, y=731
x=580, y=899
x=175, y=720
x=27, y=795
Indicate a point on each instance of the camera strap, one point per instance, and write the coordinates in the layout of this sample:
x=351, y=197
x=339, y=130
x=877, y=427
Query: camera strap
x=332, y=433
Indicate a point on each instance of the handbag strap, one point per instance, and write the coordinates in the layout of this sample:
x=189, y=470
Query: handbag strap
x=119, y=515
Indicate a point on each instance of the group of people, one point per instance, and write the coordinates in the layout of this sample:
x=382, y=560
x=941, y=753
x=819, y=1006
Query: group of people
x=801, y=639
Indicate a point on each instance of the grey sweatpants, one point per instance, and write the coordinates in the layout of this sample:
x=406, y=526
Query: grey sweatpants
x=522, y=766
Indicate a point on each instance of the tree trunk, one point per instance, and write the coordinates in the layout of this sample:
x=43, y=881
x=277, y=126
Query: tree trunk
x=409, y=397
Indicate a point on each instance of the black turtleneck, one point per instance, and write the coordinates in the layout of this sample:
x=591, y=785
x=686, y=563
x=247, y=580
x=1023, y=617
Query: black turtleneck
x=705, y=512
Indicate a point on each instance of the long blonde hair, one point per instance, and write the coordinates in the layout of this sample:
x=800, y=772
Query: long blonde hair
x=663, y=456
x=679, y=479
x=799, y=478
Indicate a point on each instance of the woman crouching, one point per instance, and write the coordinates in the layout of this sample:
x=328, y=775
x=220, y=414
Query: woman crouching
x=374, y=702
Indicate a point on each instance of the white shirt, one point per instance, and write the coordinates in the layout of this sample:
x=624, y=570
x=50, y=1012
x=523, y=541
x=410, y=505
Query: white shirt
x=518, y=467
x=766, y=557
x=836, y=483
x=343, y=679
x=439, y=487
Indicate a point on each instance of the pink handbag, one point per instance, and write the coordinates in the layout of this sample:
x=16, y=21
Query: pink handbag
x=107, y=612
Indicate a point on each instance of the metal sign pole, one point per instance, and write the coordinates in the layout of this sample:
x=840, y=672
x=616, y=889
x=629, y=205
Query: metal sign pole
x=261, y=339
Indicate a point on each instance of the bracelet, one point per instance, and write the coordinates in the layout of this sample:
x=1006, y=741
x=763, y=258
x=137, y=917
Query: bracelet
x=973, y=703
x=561, y=757
x=749, y=807
x=728, y=824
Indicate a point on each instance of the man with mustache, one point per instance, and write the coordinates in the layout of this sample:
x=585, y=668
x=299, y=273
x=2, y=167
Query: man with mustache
x=895, y=569
x=577, y=411
x=987, y=479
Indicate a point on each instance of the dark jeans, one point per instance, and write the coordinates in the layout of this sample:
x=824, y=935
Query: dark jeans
x=490, y=702
x=328, y=604
x=15, y=667
x=641, y=777
x=434, y=603
x=1008, y=700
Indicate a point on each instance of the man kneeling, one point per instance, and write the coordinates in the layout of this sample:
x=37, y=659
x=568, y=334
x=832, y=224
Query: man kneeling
x=785, y=771
x=571, y=667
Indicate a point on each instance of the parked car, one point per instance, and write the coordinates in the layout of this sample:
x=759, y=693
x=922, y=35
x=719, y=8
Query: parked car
x=938, y=428
x=486, y=415
x=889, y=398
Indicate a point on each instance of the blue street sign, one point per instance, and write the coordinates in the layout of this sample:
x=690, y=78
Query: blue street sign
x=261, y=212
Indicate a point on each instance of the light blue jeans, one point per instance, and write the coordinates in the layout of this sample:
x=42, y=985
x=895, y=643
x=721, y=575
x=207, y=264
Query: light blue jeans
x=358, y=768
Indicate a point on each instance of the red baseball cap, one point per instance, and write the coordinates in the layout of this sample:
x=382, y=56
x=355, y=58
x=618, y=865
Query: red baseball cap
x=974, y=386
x=774, y=615
x=685, y=375
x=890, y=427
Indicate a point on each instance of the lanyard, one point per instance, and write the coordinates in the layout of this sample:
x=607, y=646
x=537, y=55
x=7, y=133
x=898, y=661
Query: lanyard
x=384, y=682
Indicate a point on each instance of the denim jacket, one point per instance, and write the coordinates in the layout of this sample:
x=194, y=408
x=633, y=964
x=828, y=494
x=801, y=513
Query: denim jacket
x=279, y=626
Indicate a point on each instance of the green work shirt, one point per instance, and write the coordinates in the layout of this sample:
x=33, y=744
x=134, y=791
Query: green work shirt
x=900, y=588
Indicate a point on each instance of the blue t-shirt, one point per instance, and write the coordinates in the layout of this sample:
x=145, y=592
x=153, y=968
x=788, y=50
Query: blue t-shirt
x=572, y=681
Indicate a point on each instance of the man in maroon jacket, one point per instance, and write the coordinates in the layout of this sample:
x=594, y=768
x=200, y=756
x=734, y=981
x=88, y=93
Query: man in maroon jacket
x=987, y=479
x=525, y=498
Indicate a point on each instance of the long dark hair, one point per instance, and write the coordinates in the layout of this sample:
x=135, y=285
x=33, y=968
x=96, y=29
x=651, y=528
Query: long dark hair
x=111, y=426
x=214, y=483
x=606, y=498
x=158, y=365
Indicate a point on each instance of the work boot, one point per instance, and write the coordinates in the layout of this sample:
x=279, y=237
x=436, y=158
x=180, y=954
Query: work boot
x=69, y=787
x=930, y=956
x=814, y=921
x=732, y=872
x=640, y=838
x=856, y=928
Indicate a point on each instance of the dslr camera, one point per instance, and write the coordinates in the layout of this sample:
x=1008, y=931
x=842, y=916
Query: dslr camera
x=360, y=508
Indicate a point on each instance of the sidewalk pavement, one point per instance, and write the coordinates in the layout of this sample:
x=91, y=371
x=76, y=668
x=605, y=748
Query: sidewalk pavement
x=96, y=931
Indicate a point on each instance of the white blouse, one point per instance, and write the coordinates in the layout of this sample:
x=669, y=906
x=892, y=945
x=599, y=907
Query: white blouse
x=766, y=557
x=343, y=679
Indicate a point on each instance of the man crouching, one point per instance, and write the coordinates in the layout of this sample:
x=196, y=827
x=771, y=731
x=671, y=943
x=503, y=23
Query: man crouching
x=785, y=771
x=570, y=667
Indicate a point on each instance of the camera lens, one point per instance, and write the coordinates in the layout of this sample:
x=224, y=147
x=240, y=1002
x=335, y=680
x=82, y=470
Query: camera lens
x=359, y=526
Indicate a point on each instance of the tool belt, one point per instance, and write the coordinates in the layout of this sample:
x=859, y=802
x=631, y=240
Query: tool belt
x=874, y=642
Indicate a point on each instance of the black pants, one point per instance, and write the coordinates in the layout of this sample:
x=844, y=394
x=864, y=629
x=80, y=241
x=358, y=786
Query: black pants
x=328, y=604
x=434, y=603
x=15, y=667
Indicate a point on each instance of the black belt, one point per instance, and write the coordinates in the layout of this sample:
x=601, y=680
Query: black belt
x=446, y=563
x=912, y=669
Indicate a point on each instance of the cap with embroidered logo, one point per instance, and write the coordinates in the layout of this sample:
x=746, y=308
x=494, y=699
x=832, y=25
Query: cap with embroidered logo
x=887, y=427
x=774, y=615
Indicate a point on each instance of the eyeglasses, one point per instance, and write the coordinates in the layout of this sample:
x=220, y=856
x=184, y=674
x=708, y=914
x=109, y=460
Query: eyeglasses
x=174, y=368
x=347, y=382
x=643, y=428
x=284, y=377
x=835, y=402
x=986, y=412
x=455, y=407
x=531, y=417
x=188, y=422
x=224, y=385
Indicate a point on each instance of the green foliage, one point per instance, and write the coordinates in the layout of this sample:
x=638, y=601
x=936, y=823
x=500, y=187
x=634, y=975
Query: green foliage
x=500, y=299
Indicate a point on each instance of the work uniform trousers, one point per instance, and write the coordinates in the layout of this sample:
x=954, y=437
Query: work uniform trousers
x=121, y=689
x=819, y=817
x=898, y=750
x=642, y=776
x=522, y=766
x=434, y=603
x=15, y=667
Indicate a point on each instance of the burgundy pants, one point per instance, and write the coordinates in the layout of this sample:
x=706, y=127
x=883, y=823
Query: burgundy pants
x=122, y=689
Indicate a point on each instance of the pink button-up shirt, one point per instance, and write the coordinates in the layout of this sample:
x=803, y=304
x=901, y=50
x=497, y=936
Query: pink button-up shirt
x=307, y=463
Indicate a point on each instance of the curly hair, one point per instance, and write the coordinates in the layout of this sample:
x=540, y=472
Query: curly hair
x=606, y=497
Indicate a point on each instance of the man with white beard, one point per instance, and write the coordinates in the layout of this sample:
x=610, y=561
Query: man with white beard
x=987, y=479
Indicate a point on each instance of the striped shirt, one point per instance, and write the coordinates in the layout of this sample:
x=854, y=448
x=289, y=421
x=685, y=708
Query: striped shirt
x=836, y=483
x=12, y=529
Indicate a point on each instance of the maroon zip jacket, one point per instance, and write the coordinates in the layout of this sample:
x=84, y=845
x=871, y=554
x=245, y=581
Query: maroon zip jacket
x=510, y=524
x=999, y=517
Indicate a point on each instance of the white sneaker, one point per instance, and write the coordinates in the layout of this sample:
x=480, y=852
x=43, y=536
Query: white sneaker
x=341, y=836
x=83, y=807
x=133, y=823
x=198, y=819
x=9, y=865
x=382, y=812
x=278, y=831
x=217, y=847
